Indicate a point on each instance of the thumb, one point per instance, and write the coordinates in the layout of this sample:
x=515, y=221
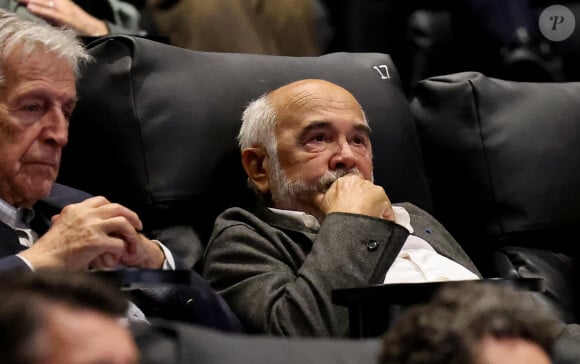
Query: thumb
x=54, y=218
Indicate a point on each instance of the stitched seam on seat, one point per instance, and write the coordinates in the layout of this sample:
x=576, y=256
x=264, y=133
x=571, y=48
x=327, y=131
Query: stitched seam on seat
x=485, y=157
x=148, y=197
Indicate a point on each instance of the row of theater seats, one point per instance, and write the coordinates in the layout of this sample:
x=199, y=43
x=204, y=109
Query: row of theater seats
x=497, y=162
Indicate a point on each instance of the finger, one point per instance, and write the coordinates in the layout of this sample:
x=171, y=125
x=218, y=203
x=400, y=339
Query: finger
x=92, y=202
x=39, y=3
x=54, y=219
x=107, y=253
x=132, y=242
x=95, y=201
x=112, y=210
x=118, y=227
x=44, y=9
x=109, y=260
x=105, y=260
x=100, y=207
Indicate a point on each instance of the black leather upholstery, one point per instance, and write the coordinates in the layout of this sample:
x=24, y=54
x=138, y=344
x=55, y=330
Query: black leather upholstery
x=503, y=162
x=172, y=342
x=155, y=127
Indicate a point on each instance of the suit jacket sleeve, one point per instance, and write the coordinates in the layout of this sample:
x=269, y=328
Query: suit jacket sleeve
x=12, y=262
x=278, y=284
x=196, y=303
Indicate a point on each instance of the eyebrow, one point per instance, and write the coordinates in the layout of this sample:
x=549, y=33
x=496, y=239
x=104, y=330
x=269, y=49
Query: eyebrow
x=44, y=94
x=327, y=124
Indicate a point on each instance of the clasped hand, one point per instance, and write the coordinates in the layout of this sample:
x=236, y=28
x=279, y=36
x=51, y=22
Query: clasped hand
x=95, y=233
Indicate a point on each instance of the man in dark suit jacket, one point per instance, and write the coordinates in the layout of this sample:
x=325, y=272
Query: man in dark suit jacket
x=37, y=97
x=324, y=224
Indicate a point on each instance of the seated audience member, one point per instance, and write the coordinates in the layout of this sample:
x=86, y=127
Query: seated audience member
x=39, y=65
x=473, y=323
x=322, y=223
x=85, y=17
x=62, y=318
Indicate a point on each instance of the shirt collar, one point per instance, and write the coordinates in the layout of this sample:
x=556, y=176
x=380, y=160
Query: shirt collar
x=309, y=221
x=299, y=217
x=15, y=217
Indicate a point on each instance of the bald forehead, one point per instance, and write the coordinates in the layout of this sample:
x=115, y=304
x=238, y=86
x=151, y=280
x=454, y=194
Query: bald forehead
x=312, y=94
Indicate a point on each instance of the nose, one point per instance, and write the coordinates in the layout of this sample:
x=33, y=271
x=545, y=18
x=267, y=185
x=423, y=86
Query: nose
x=344, y=157
x=56, y=128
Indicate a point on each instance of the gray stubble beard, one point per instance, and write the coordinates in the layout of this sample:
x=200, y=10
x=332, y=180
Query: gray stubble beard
x=287, y=194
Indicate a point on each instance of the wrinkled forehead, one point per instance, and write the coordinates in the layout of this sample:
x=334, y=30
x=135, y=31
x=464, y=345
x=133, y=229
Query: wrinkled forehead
x=37, y=58
x=317, y=99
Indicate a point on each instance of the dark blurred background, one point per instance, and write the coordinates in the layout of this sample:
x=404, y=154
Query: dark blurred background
x=500, y=38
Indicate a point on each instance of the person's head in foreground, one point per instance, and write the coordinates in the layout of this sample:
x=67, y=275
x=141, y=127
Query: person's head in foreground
x=472, y=323
x=300, y=138
x=55, y=317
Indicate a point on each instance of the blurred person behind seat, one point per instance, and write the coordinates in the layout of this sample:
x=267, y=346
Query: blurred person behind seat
x=281, y=27
x=87, y=18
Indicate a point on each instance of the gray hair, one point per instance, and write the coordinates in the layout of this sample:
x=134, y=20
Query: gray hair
x=32, y=35
x=258, y=126
x=258, y=123
x=258, y=129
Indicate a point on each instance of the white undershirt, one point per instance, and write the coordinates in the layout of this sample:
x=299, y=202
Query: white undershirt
x=419, y=262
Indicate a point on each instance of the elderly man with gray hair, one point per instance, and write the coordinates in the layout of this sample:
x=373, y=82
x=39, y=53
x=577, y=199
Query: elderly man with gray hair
x=39, y=67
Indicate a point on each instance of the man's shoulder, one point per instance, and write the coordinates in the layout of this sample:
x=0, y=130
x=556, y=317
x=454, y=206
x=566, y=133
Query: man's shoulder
x=236, y=215
x=61, y=196
x=261, y=221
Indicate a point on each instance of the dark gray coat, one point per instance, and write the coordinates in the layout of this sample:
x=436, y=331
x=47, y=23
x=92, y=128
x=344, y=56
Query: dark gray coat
x=278, y=277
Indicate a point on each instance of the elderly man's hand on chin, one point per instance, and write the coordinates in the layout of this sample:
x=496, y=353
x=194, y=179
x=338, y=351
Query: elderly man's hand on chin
x=94, y=233
x=354, y=194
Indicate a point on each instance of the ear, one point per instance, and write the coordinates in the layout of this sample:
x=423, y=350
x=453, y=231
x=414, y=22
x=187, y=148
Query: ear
x=255, y=162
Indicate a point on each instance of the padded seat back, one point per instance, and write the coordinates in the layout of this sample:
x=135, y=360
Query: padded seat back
x=503, y=162
x=502, y=158
x=155, y=126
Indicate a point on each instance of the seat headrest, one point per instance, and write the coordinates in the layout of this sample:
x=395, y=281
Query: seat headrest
x=503, y=157
x=155, y=127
